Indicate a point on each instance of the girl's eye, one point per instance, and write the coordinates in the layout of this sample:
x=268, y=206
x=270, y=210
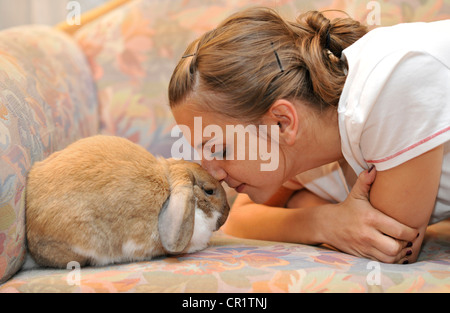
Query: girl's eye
x=219, y=154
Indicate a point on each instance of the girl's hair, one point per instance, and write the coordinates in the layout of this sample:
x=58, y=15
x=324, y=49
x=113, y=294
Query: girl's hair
x=255, y=57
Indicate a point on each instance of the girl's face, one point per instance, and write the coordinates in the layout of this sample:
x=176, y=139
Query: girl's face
x=246, y=157
x=258, y=159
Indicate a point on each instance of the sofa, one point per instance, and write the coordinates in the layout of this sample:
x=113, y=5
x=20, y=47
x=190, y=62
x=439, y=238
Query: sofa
x=109, y=75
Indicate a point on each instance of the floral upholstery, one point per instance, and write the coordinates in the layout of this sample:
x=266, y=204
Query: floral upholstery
x=112, y=77
x=47, y=100
x=239, y=266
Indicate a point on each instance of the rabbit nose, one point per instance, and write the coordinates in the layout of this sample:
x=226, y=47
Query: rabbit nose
x=214, y=170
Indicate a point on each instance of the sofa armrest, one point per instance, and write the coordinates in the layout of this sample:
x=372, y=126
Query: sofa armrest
x=47, y=100
x=91, y=16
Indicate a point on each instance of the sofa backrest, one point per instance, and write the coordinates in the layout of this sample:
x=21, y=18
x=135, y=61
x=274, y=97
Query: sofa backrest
x=47, y=100
x=134, y=49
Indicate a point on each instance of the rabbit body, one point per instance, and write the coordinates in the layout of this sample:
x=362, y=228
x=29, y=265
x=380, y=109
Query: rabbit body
x=104, y=199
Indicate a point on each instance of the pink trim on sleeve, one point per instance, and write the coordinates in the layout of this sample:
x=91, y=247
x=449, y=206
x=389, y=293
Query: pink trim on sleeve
x=410, y=147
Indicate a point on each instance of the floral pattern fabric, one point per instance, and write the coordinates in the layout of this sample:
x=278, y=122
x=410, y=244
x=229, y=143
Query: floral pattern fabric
x=47, y=101
x=112, y=77
x=241, y=265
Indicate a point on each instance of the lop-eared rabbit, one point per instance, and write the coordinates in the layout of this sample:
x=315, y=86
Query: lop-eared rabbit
x=104, y=200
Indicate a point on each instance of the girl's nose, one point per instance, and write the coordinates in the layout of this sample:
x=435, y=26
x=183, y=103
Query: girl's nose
x=214, y=169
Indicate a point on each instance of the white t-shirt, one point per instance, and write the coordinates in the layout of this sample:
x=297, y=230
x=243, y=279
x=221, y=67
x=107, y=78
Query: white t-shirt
x=395, y=106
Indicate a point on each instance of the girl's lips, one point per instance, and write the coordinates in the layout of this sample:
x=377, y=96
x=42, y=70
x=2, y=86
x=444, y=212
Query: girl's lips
x=240, y=188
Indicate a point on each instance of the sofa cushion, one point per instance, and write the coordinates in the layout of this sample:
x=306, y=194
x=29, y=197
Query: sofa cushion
x=47, y=100
x=236, y=265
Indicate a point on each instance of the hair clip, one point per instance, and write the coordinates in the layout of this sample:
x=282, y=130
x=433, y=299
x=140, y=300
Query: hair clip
x=327, y=40
x=188, y=55
x=278, y=58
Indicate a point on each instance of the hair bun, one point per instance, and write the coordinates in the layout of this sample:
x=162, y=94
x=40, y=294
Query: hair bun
x=319, y=26
x=318, y=23
x=238, y=72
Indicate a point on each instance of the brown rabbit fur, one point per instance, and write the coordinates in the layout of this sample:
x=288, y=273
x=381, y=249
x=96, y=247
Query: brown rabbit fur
x=104, y=200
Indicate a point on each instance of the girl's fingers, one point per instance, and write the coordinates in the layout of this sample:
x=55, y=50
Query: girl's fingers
x=403, y=257
x=394, y=229
x=405, y=252
x=387, y=249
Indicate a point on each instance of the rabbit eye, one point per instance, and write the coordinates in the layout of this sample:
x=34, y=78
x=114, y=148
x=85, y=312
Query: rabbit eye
x=209, y=192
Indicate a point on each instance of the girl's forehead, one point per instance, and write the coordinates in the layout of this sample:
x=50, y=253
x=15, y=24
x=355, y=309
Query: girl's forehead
x=200, y=128
x=188, y=114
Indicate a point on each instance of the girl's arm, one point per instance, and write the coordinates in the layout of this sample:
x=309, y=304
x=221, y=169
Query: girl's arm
x=354, y=226
x=408, y=192
x=275, y=223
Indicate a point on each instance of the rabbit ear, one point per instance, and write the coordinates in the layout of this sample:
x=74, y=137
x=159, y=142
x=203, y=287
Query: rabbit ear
x=176, y=219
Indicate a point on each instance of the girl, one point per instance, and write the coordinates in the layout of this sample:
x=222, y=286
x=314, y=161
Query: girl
x=346, y=103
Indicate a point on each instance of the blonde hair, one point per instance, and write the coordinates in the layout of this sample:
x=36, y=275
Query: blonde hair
x=255, y=57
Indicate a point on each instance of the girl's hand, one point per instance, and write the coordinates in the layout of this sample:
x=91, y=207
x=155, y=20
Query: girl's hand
x=356, y=227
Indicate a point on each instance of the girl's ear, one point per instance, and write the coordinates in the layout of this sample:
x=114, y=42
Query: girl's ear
x=284, y=114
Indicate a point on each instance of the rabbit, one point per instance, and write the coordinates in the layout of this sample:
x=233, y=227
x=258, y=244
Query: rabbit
x=105, y=200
